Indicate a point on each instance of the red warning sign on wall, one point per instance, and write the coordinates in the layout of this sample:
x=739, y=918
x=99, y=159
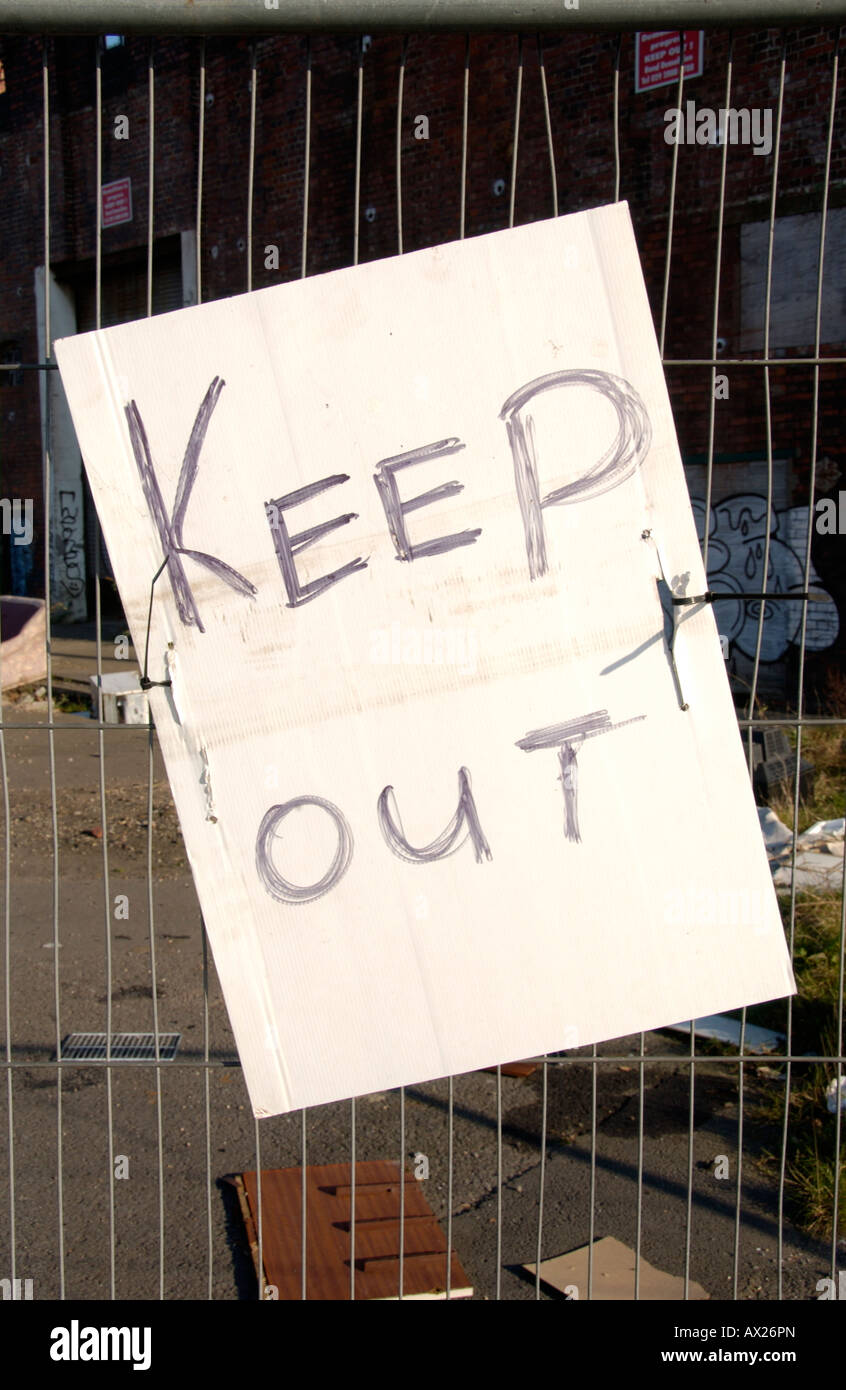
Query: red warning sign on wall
x=117, y=202
x=657, y=57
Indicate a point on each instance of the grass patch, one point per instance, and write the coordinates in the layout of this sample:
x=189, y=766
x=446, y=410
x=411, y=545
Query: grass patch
x=64, y=702
x=816, y=965
x=811, y=1165
x=71, y=704
x=811, y=1157
x=825, y=749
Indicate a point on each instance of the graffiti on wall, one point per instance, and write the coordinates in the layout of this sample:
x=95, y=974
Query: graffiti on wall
x=69, y=547
x=737, y=537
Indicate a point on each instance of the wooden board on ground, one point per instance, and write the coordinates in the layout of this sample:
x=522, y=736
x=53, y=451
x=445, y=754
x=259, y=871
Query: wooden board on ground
x=328, y=1234
x=519, y=1069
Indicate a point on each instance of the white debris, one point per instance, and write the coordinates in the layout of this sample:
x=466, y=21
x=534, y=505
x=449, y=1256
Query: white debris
x=831, y=1095
x=819, y=852
x=728, y=1030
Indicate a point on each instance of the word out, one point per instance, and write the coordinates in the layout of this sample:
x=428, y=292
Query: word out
x=566, y=739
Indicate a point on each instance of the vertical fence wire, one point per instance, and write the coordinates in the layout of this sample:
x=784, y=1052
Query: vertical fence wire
x=259, y=1205
x=251, y=160
x=151, y=181
x=450, y=1158
x=151, y=170
x=198, y=250
x=518, y=98
x=359, y=114
x=542, y=1176
x=400, y=85
x=251, y=165
x=402, y=1193
x=641, y=1097
x=303, y=1206
x=101, y=745
x=616, y=120
x=594, y=1070
x=306, y=157
x=548, y=123
x=201, y=137
x=98, y=179
x=709, y=472
x=465, y=112
x=303, y=262
x=768, y=419
x=498, y=1183
x=155, y=993
x=760, y=632
x=668, y=256
x=352, y=1198
x=516, y=140
x=715, y=317
x=688, y=1215
x=671, y=212
x=51, y=741
x=801, y=672
x=207, y=1112
x=815, y=403
x=592, y=1196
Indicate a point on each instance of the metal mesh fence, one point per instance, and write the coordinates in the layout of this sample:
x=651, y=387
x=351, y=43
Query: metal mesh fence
x=114, y=1168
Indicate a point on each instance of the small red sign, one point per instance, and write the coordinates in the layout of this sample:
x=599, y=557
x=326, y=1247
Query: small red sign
x=657, y=57
x=117, y=202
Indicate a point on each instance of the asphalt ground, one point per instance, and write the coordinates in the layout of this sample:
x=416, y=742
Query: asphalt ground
x=191, y=1221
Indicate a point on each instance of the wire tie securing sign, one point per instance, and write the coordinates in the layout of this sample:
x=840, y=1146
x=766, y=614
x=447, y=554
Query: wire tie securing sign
x=145, y=681
x=710, y=597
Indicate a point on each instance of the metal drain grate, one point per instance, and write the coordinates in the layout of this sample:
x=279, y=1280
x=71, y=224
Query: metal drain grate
x=126, y=1047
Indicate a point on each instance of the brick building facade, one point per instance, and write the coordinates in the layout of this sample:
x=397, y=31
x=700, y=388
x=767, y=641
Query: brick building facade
x=579, y=71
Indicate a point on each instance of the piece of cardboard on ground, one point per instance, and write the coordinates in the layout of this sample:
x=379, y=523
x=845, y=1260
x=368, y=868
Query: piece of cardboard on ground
x=613, y=1275
x=378, y=1205
x=350, y=674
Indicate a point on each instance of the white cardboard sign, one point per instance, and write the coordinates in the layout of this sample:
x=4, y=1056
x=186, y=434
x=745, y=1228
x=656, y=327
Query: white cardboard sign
x=425, y=733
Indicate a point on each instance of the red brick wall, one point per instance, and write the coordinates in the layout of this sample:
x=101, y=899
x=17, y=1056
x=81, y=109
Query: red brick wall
x=579, y=70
